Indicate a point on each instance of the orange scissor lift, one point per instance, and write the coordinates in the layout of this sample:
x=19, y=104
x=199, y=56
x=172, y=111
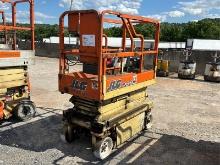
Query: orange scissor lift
x=14, y=80
x=109, y=93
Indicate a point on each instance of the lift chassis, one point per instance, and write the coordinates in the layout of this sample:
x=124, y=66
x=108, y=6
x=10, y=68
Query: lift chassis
x=110, y=93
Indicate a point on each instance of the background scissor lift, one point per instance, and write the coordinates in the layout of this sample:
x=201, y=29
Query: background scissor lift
x=14, y=79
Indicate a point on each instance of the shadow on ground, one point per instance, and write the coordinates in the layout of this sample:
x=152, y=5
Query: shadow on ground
x=198, y=78
x=147, y=148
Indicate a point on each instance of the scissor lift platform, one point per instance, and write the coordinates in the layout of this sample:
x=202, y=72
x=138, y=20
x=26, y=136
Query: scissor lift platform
x=110, y=93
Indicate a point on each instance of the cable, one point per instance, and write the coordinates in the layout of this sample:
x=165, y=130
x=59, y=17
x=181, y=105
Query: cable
x=71, y=62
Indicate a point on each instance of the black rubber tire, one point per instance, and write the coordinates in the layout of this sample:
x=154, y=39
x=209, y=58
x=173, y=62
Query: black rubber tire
x=25, y=110
x=188, y=77
x=193, y=77
x=69, y=133
x=205, y=78
x=149, y=120
x=167, y=74
x=212, y=79
x=162, y=74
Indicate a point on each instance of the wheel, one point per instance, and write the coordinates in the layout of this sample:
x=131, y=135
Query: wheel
x=103, y=148
x=69, y=133
x=162, y=74
x=149, y=120
x=206, y=78
x=180, y=76
x=166, y=74
x=192, y=77
x=212, y=79
x=25, y=110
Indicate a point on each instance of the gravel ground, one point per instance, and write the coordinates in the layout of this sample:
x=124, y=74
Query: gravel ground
x=186, y=126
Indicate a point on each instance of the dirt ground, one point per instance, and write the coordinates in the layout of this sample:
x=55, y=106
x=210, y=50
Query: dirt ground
x=186, y=126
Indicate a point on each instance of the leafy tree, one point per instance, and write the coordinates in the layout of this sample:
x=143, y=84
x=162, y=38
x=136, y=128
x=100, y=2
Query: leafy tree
x=203, y=29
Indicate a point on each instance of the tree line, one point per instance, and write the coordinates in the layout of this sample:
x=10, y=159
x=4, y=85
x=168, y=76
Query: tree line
x=203, y=29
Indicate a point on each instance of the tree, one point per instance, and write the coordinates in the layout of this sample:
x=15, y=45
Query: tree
x=204, y=29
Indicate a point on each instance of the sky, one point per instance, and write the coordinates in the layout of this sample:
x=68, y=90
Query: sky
x=48, y=11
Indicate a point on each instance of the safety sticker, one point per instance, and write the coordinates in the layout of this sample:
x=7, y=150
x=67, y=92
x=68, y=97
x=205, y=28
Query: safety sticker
x=88, y=40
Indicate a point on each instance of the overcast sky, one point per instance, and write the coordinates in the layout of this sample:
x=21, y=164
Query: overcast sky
x=48, y=11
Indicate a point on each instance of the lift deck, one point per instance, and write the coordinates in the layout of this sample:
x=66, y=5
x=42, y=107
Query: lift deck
x=109, y=93
x=14, y=79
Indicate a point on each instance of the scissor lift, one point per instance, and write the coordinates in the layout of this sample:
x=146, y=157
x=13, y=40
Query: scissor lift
x=109, y=94
x=163, y=65
x=187, y=67
x=212, y=69
x=14, y=79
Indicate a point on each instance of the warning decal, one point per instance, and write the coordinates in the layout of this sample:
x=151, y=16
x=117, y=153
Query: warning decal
x=88, y=40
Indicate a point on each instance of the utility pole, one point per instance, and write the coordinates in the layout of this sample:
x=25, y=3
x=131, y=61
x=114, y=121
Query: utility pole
x=71, y=5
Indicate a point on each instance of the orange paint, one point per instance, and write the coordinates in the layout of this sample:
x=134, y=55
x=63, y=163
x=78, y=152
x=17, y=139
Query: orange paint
x=1, y=110
x=93, y=49
x=9, y=54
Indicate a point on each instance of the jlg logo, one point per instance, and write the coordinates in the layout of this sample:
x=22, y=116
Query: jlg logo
x=79, y=85
x=115, y=85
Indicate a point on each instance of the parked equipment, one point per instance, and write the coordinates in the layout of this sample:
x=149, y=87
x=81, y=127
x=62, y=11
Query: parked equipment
x=163, y=65
x=109, y=94
x=187, y=67
x=212, y=70
x=14, y=79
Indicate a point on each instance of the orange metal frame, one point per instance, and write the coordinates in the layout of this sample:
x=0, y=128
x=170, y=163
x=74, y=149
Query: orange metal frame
x=14, y=27
x=90, y=23
x=1, y=110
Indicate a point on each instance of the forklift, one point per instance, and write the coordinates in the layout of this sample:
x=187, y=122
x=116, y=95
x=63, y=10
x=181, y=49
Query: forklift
x=187, y=67
x=109, y=96
x=212, y=70
x=14, y=79
x=163, y=65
